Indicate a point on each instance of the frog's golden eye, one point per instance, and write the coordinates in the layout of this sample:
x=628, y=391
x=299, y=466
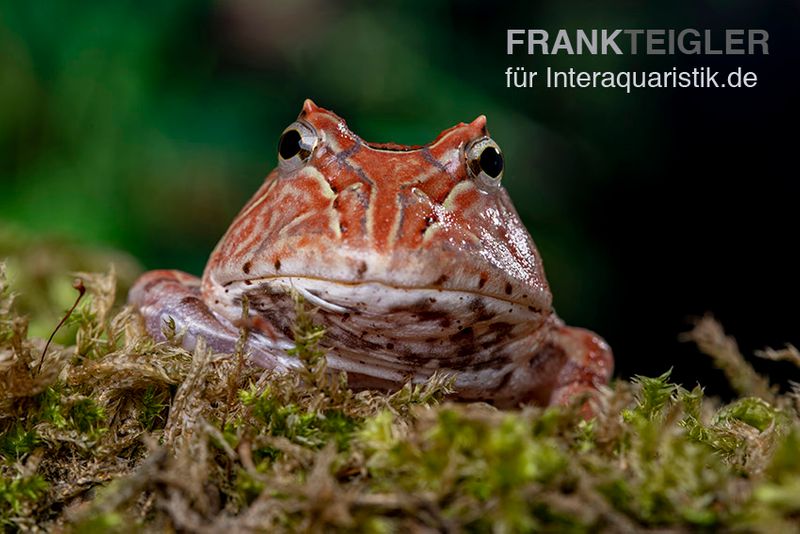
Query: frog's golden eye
x=485, y=160
x=296, y=145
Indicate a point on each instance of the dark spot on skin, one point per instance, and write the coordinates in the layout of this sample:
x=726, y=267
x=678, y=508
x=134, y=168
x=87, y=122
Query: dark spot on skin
x=248, y=283
x=432, y=315
x=466, y=350
x=216, y=301
x=390, y=346
x=509, y=288
x=501, y=330
x=430, y=340
x=445, y=322
x=463, y=335
x=334, y=188
x=482, y=281
x=441, y=280
x=549, y=354
x=432, y=299
x=478, y=307
x=362, y=362
x=421, y=305
x=278, y=264
x=531, y=308
x=504, y=381
x=246, y=267
x=226, y=290
x=352, y=341
x=362, y=268
x=187, y=301
x=336, y=203
x=342, y=227
x=345, y=317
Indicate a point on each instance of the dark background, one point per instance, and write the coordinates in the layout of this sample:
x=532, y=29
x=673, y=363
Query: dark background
x=146, y=126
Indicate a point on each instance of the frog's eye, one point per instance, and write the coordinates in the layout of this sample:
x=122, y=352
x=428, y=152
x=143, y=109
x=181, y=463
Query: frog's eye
x=485, y=161
x=296, y=145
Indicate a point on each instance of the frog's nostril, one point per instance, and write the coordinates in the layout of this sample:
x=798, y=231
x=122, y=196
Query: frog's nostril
x=429, y=220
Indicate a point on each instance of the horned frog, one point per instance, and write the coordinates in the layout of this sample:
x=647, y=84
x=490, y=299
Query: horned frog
x=413, y=256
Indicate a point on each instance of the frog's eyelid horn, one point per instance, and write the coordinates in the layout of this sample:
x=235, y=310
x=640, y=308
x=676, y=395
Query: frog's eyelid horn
x=309, y=107
x=479, y=122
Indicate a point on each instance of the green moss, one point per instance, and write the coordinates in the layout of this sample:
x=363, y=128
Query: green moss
x=17, y=494
x=311, y=428
x=749, y=410
x=178, y=441
x=17, y=442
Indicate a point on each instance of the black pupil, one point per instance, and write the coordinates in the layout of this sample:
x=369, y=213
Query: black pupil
x=289, y=145
x=491, y=161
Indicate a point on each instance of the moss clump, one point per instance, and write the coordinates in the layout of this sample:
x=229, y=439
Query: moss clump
x=119, y=433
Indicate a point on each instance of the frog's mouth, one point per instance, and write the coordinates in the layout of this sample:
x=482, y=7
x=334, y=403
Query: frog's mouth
x=365, y=296
x=393, y=147
x=391, y=333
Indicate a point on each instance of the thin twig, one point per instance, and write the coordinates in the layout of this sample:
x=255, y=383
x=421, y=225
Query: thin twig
x=78, y=285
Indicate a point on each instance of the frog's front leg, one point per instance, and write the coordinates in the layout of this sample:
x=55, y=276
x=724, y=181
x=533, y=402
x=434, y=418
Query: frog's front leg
x=166, y=294
x=587, y=363
x=568, y=362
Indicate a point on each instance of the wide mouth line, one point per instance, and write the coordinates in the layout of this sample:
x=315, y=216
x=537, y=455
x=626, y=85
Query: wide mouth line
x=352, y=283
x=393, y=147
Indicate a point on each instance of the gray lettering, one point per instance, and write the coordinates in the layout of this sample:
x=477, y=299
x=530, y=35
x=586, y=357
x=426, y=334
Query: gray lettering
x=653, y=40
x=710, y=50
x=634, y=39
x=511, y=41
x=693, y=43
x=758, y=37
x=589, y=43
x=562, y=42
x=609, y=41
x=541, y=41
x=733, y=42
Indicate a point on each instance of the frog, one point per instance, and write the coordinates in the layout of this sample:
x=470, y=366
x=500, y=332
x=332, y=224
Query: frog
x=413, y=258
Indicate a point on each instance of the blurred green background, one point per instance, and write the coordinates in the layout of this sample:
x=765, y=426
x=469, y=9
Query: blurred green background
x=144, y=126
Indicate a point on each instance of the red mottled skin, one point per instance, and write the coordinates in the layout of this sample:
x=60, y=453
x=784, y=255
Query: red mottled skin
x=415, y=263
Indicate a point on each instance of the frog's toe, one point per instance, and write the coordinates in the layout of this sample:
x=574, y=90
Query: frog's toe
x=166, y=296
x=159, y=294
x=163, y=297
x=587, y=366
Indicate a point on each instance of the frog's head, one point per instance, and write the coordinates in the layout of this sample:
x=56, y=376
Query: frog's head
x=343, y=211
